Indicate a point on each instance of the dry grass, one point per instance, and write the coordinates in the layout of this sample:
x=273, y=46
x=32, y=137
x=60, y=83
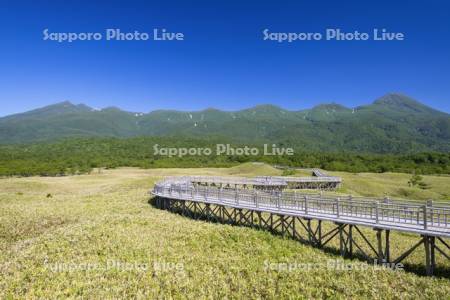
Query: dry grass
x=394, y=185
x=91, y=220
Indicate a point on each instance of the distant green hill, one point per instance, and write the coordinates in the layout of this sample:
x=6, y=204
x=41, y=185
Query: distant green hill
x=392, y=124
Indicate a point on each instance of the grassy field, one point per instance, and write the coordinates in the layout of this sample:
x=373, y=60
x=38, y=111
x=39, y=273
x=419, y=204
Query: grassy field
x=97, y=236
x=394, y=185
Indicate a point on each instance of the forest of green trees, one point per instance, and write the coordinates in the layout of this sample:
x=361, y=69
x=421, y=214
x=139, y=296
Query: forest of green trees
x=78, y=156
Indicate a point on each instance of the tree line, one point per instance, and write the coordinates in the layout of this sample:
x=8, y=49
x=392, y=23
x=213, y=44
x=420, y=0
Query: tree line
x=82, y=155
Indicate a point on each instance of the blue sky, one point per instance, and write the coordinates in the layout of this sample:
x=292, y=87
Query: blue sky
x=223, y=61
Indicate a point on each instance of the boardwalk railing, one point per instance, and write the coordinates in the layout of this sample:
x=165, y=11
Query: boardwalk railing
x=239, y=180
x=307, y=179
x=392, y=214
x=281, y=182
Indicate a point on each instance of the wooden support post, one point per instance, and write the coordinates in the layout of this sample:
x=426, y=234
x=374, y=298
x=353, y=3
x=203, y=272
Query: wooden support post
x=387, y=246
x=319, y=233
x=207, y=210
x=341, y=240
x=380, y=246
x=428, y=268
x=350, y=240
x=271, y=222
x=432, y=254
x=308, y=224
x=294, y=232
x=183, y=208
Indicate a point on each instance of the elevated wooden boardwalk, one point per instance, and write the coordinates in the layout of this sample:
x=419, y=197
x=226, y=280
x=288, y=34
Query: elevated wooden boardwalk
x=430, y=221
x=319, y=181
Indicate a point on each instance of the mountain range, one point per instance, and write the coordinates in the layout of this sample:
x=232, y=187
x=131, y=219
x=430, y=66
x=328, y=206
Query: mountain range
x=393, y=123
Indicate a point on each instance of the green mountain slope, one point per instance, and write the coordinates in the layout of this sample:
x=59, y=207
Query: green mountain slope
x=393, y=123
